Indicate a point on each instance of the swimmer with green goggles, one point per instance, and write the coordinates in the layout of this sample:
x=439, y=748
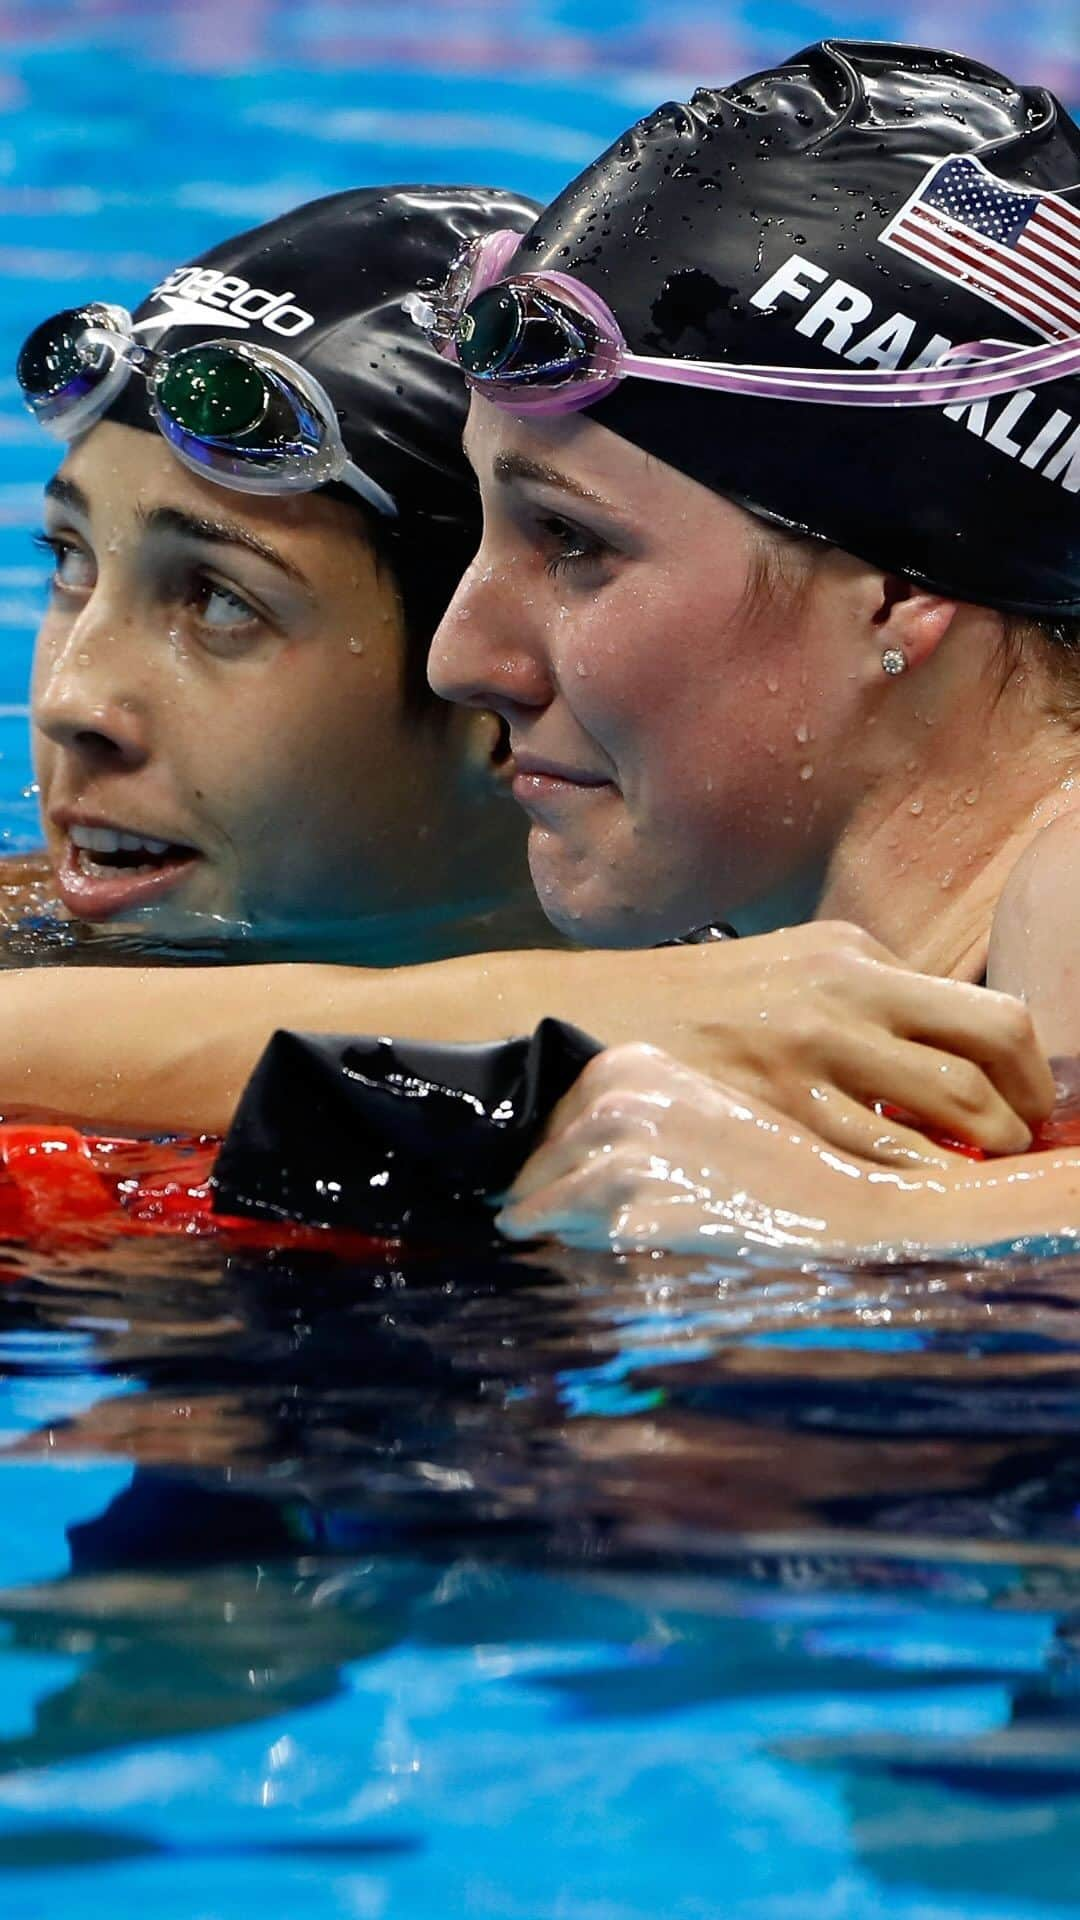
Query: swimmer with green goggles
x=259, y=518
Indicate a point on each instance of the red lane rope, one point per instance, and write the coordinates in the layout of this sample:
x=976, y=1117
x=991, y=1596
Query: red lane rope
x=63, y=1188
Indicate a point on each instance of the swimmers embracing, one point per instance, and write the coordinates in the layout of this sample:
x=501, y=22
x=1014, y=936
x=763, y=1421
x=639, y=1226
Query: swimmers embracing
x=751, y=641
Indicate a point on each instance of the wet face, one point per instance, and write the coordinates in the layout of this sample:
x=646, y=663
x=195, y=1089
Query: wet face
x=682, y=731
x=219, y=730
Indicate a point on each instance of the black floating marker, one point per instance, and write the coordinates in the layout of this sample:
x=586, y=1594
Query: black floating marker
x=392, y=1136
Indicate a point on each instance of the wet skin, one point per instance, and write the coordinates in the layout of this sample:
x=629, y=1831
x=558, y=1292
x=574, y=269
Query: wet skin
x=611, y=631
x=700, y=719
x=680, y=736
x=224, y=674
x=690, y=737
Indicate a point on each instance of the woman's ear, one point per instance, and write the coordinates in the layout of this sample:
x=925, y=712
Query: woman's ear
x=911, y=619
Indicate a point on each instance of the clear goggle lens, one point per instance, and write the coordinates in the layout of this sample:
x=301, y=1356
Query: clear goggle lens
x=69, y=358
x=513, y=334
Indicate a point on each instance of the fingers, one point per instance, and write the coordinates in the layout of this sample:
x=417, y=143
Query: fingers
x=551, y=1215
x=599, y=1138
x=556, y=1195
x=991, y=1029
x=593, y=1201
x=603, y=1108
x=1019, y=1067
x=655, y=1154
x=857, y=1131
x=942, y=1090
x=551, y=1160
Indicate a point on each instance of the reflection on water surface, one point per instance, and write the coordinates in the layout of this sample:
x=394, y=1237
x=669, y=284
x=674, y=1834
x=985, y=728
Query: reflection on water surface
x=616, y=1586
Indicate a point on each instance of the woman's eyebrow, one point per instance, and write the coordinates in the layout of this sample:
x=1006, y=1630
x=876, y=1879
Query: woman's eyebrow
x=67, y=494
x=517, y=466
x=220, y=533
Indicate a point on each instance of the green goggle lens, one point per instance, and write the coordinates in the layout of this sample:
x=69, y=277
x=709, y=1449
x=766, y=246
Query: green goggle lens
x=212, y=393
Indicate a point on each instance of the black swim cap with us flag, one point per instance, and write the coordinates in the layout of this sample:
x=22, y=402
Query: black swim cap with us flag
x=863, y=205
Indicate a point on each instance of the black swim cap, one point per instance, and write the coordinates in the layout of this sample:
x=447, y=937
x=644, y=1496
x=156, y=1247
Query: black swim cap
x=868, y=204
x=324, y=284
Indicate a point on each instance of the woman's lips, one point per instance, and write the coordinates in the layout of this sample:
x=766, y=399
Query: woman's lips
x=536, y=784
x=93, y=891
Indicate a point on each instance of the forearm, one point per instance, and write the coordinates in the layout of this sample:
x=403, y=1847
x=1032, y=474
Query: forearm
x=777, y=1017
x=852, y=1209
x=157, y=1048
x=983, y=1204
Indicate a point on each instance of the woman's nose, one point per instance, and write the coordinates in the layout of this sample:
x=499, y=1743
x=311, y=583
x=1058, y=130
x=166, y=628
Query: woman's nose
x=486, y=651
x=84, y=697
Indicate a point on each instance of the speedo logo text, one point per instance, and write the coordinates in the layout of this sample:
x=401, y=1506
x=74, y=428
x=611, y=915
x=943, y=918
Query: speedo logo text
x=202, y=296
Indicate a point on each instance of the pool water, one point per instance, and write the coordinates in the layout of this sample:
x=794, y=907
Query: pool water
x=597, y=1590
x=614, y=1589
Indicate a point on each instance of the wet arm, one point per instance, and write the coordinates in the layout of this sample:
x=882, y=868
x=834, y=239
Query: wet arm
x=817, y=1021
x=969, y=1206
x=993, y=1204
x=154, y=1048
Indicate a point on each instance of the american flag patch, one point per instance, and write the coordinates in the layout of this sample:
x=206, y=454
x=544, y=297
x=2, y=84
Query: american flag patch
x=1017, y=249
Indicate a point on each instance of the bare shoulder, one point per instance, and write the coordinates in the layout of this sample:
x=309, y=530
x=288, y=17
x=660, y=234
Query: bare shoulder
x=1035, y=939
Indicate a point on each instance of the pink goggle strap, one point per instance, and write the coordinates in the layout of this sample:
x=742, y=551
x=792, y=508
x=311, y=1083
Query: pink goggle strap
x=980, y=370
x=493, y=256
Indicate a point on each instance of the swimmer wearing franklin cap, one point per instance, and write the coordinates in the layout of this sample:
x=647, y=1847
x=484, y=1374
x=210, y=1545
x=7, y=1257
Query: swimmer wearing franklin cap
x=799, y=361
x=737, y=658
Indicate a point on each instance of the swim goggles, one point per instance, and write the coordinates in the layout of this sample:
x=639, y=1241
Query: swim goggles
x=235, y=413
x=546, y=343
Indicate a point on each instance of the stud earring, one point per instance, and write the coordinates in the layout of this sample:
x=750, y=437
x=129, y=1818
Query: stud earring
x=893, y=660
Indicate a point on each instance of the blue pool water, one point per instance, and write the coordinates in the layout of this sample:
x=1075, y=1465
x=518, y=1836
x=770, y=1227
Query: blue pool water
x=607, y=1592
